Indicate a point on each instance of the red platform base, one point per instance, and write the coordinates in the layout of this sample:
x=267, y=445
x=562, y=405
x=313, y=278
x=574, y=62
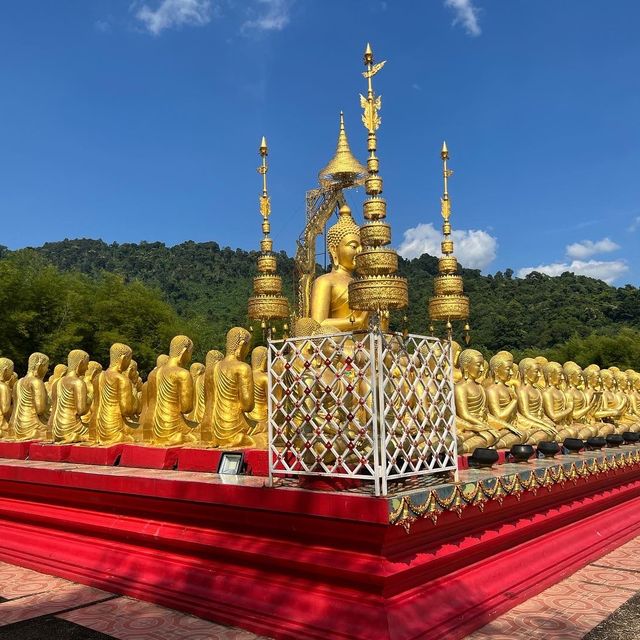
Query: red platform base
x=191, y=459
x=45, y=452
x=15, y=450
x=148, y=457
x=105, y=456
x=294, y=564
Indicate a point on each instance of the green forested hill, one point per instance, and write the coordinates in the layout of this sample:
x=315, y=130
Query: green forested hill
x=206, y=288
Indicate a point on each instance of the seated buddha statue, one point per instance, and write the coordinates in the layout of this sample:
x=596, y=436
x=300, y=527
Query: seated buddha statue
x=593, y=389
x=58, y=371
x=234, y=396
x=530, y=404
x=28, y=420
x=259, y=416
x=174, y=397
x=148, y=396
x=633, y=393
x=211, y=360
x=583, y=404
x=197, y=375
x=6, y=371
x=93, y=371
x=475, y=427
x=330, y=292
x=629, y=420
x=115, y=402
x=69, y=401
x=558, y=405
x=502, y=399
x=611, y=401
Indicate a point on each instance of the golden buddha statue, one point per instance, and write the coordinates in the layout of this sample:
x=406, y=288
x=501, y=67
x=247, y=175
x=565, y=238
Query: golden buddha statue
x=583, y=404
x=69, y=401
x=93, y=371
x=633, y=393
x=259, y=416
x=58, y=371
x=530, y=404
x=330, y=292
x=211, y=360
x=30, y=406
x=502, y=399
x=115, y=402
x=611, y=402
x=558, y=405
x=197, y=375
x=174, y=397
x=6, y=371
x=475, y=427
x=542, y=362
x=148, y=398
x=629, y=419
x=593, y=389
x=234, y=396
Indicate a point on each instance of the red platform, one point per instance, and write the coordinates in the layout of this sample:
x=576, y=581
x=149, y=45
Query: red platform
x=192, y=459
x=106, y=456
x=149, y=457
x=15, y=450
x=46, y=452
x=289, y=563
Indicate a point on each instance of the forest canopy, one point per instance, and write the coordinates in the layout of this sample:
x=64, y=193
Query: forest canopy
x=87, y=294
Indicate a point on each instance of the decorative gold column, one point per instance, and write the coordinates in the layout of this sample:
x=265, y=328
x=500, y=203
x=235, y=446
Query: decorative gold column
x=376, y=288
x=343, y=170
x=267, y=302
x=448, y=302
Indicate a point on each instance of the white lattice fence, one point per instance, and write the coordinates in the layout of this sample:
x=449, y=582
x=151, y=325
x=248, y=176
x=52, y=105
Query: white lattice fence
x=370, y=406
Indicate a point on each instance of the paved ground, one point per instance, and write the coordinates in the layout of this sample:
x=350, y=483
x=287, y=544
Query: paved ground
x=599, y=602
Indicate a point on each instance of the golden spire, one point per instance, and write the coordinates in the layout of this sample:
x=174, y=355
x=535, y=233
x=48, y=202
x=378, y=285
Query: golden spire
x=343, y=169
x=267, y=302
x=377, y=287
x=449, y=302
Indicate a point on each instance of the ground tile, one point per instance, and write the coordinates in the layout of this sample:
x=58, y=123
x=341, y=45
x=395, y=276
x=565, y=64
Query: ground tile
x=16, y=582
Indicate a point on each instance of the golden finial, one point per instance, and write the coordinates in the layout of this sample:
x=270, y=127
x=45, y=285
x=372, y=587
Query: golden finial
x=343, y=169
x=267, y=302
x=449, y=302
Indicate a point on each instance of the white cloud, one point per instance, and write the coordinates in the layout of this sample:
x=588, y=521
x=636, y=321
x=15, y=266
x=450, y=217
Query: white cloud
x=588, y=248
x=275, y=17
x=104, y=26
x=474, y=248
x=174, y=13
x=607, y=270
x=466, y=15
x=635, y=224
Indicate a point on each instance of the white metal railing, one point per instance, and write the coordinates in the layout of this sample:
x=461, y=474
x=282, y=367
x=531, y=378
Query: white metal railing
x=370, y=406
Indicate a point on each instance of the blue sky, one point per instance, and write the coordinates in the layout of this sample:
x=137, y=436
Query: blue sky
x=140, y=120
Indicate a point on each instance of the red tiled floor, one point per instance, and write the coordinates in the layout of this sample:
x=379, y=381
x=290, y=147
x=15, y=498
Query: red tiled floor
x=16, y=582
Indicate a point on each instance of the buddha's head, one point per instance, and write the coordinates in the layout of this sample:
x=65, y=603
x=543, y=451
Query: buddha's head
x=343, y=240
x=212, y=357
x=259, y=359
x=58, y=371
x=196, y=370
x=636, y=381
x=573, y=374
x=621, y=380
x=6, y=369
x=471, y=364
x=93, y=369
x=591, y=375
x=161, y=360
x=500, y=366
x=38, y=364
x=238, y=342
x=181, y=347
x=120, y=356
x=553, y=375
x=608, y=381
x=132, y=371
x=529, y=371
x=541, y=360
x=77, y=362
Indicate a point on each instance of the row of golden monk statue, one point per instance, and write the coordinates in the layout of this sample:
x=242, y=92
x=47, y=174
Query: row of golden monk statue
x=499, y=403
x=222, y=403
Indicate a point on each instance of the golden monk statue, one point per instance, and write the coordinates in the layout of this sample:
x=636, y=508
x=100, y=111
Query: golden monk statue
x=197, y=370
x=502, y=399
x=69, y=401
x=611, y=401
x=206, y=429
x=6, y=371
x=259, y=416
x=233, y=389
x=330, y=292
x=475, y=427
x=530, y=404
x=93, y=371
x=115, y=402
x=58, y=371
x=148, y=398
x=174, y=397
x=30, y=405
x=633, y=394
x=593, y=389
x=629, y=420
x=583, y=405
